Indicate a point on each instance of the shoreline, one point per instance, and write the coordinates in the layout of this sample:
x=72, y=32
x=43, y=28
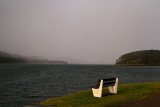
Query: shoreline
x=151, y=100
x=127, y=94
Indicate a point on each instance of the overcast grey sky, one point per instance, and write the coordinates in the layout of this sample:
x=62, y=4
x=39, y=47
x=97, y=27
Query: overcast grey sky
x=87, y=31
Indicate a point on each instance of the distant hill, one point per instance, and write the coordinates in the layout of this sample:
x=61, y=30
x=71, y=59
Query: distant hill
x=144, y=57
x=12, y=58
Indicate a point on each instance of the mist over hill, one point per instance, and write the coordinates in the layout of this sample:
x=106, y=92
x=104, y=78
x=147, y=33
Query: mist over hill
x=13, y=58
x=144, y=57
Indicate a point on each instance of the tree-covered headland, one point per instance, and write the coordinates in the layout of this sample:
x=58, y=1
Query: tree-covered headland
x=144, y=57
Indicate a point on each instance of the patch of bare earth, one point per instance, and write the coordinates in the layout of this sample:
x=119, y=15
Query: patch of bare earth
x=152, y=100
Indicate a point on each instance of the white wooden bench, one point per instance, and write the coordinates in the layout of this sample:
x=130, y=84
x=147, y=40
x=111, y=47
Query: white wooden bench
x=111, y=83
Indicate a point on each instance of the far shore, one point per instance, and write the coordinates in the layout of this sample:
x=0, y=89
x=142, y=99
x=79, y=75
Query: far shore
x=136, y=65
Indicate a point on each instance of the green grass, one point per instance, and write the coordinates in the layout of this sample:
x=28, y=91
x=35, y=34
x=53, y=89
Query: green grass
x=127, y=92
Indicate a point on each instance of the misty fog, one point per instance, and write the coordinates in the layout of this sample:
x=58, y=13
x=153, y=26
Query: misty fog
x=79, y=31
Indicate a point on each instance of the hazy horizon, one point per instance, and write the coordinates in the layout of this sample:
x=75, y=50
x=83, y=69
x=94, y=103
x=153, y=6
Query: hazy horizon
x=79, y=31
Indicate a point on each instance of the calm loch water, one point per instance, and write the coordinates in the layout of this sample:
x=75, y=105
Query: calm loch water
x=22, y=84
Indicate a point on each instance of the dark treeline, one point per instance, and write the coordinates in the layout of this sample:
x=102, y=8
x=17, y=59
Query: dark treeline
x=12, y=58
x=145, y=57
x=4, y=59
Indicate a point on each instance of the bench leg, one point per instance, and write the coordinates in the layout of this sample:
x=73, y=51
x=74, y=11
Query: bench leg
x=113, y=89
x=97, y=92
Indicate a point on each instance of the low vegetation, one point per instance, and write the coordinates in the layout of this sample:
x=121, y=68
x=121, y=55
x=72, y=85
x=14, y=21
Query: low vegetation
x=145, y=57
x=127, y=92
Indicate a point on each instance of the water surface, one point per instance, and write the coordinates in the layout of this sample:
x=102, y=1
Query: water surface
x=22, y=84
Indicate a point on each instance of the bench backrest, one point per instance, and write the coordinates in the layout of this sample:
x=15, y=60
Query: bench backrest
x=109, y=82
x=106, y=82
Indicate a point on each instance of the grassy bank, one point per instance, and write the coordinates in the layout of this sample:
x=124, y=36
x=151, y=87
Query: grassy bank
x=127, y=92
